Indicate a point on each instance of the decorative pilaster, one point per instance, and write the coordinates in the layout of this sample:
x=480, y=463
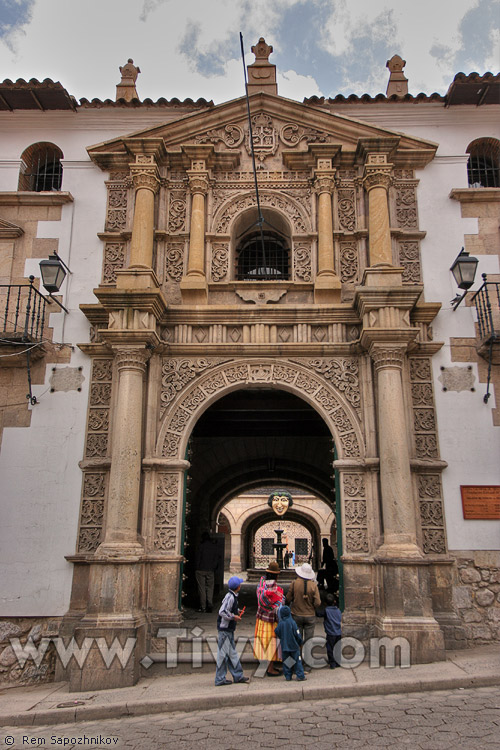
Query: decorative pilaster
x=194, y=285
x=377, y=180
x=120, y=537
x=398, y=511
x=146, y=183
x=327, y=284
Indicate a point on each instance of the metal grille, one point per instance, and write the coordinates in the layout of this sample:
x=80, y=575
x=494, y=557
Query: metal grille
x=483, y=171
x=487, y=301
x=42, y=169
x=22, y=313
x=270, y=262
x=267, y=546
x=301, y=547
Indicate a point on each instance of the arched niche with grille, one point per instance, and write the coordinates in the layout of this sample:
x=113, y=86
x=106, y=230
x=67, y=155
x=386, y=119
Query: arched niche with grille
x=262, y=256
x=41, y=168
x=483, y=167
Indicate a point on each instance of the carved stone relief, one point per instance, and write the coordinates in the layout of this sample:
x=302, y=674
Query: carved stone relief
x=349, y=263
x=355, y=513
x=346, y=206
x=177, y=211
x=114, y=259
x=231, y=135
x=95, y=481
x=426, y=447
x=274, y=200
x=335, y=391
x=174, y=261
x=265, y=136
x=302, y=262
x=292, y=134
x=409, y=259
x=406, y=205
x=116, y=210
x=220, y=261
x=167, y=503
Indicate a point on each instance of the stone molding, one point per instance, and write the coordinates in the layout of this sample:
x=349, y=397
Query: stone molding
x=387, y=356
x=188, y=386
x=377, y=177
x=145, y=178
x=131, y=359
x=198, y=182
x=324, y=183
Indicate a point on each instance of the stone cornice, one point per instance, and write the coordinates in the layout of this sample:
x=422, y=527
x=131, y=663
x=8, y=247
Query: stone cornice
x=476, y=195
x=9, y=231
x=18, y=198
x=373, y=298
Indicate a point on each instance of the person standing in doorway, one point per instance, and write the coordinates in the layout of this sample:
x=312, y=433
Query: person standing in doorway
x=329, y=564
x=207, y=561
x=304, y=599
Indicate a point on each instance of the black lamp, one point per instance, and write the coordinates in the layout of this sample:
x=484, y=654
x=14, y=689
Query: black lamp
x=53, y=272
x=464, y=271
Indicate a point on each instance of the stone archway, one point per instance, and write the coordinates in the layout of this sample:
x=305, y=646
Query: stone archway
x=190, y=386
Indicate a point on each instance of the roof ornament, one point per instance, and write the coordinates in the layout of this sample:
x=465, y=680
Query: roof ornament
x=262, y=73
x=398, y=83
x=126, y=88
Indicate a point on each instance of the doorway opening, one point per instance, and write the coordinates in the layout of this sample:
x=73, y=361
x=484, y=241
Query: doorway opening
x=249, y=441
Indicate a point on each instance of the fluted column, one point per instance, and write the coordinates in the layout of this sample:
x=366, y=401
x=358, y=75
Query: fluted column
x=398, y=511
x=194, y=284
x=126, y=454
x=377, y=181
x=327, y=283
x=146, y=183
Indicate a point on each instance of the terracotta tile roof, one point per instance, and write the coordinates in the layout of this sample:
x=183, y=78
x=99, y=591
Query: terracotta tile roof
x=33, y=94
x=161, y=102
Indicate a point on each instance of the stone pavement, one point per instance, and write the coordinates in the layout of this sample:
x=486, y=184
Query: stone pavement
x=439, y=720
x=53, y=704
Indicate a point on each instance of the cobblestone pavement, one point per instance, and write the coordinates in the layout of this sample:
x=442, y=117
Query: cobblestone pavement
x=468, y=718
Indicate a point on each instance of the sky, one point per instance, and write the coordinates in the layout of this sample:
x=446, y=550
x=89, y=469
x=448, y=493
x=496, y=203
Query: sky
x=191, y=48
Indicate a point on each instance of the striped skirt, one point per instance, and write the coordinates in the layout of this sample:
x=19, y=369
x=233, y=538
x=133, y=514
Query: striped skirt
x=266, y=645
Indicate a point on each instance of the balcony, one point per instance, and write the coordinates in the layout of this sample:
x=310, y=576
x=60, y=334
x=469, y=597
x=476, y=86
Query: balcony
x=22, y=321
x=487, y=303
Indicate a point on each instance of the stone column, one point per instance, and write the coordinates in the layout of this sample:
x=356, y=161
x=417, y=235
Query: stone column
x=235, y=564
x=327, y=283
x=146, y=183
x=377, y=180
x=398, y=510
x=194, y=285
x=126, y=449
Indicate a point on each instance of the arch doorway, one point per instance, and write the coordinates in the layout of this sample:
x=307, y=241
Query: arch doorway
x=254, y=438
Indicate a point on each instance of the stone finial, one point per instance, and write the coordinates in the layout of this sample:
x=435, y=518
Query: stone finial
x=126, y=88
x=262, y=73
x=398, y=83
x=262, y=50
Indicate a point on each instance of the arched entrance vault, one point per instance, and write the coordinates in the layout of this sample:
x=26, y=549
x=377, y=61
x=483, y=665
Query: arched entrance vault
x=329, y=388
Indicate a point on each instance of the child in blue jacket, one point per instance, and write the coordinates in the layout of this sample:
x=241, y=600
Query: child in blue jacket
x=290, y=640
x=332, y=624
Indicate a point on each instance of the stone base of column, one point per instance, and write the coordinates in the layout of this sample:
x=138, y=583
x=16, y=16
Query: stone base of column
x=422, y=634
x=397, y=550
x=327, y=288
x=97, y=641
x=235, y=567
x=137, y=277
x=194, y=290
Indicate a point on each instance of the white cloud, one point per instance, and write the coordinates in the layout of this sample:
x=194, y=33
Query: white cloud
x=190, y=48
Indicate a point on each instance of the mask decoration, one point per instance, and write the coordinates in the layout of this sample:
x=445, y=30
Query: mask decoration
x=280, y=501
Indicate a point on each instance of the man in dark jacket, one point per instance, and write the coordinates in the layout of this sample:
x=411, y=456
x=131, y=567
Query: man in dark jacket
x=290, y=640
x=207, y=560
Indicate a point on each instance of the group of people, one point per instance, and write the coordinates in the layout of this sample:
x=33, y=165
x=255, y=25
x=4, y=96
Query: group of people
x=283, y=625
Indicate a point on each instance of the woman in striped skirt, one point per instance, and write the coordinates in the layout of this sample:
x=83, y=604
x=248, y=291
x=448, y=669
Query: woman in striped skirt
x=270, y=597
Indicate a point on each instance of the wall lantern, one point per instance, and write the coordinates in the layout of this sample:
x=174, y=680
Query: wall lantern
x=464, y=271
x=53, y=272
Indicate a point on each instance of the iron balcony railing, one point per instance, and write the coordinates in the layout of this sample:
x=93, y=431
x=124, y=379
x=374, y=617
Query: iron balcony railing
x=22, y=313
x=487, y=302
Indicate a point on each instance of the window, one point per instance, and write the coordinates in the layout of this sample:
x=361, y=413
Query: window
x=261, y=255
x=267, y=546
x=483, y=167
x=262, y=260
x=41, y=168
x=301, y=547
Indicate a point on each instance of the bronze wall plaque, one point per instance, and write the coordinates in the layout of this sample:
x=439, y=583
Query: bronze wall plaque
x=481, y=502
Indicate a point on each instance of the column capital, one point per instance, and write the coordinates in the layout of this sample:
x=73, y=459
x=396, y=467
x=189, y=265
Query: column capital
x=198, y=182
x=127, y=358
x=377, y=176
x=388, y=356
x=144, y=173
x=324, y=182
